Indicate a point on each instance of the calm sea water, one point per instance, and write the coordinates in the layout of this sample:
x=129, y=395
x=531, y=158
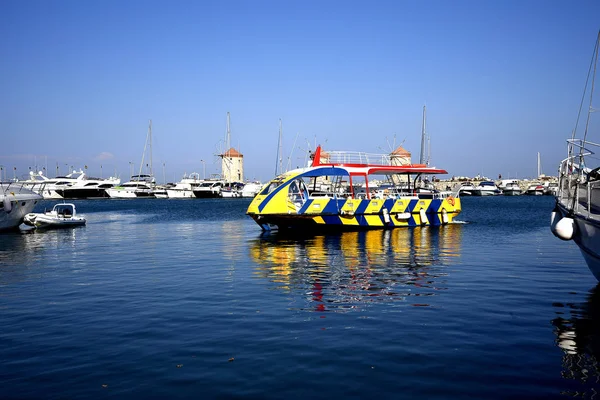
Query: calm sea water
x=187, y=299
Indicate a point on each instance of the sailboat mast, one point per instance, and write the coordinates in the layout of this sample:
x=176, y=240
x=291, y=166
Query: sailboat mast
x=227, y=135
x=278, y=161
x=150, y=140
x=538, y=165
x=423, y=135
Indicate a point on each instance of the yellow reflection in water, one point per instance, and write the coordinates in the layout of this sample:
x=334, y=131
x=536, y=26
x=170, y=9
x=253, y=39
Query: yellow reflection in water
x=358, y=265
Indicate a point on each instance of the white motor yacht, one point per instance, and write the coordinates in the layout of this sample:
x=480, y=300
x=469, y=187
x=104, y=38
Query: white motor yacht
x=551, y=188
x=511, y=189
x=210, y=188
x=535, y=189
x=251, y=189
x=50, y=185
x=184, y=189
x=16, y=201
x=84, y=187
x=466, y=189
x=232, y=189
x=486, y=188
x=138, y=186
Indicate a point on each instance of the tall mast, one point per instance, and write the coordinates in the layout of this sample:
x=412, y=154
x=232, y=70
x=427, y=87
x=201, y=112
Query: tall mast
x=150, y=140
x=148, y=143
x=279, y=160
x=423, y=135
x=226, y=163
x=539, y=172
x=228, y=135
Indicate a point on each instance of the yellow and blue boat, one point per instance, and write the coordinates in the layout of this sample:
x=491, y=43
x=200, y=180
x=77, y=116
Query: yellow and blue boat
x=353, y=191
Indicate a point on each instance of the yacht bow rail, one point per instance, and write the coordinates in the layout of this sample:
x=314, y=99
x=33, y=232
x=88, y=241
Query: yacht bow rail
x=20, y=187
x=579, y=148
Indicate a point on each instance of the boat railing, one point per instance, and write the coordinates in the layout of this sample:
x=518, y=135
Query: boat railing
x=356, y=157
x=21, y=187
x=580, y=148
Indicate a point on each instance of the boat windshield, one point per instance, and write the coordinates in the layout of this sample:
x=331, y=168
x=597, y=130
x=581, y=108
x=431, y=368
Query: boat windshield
x=271, y=187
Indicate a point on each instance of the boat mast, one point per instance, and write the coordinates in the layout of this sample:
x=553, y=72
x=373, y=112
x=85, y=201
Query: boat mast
x=150, y=138
x=227, y=162
x=279, y=160
x=423, y=136
x=539, y=172
x=227, y=134
x=148, y=141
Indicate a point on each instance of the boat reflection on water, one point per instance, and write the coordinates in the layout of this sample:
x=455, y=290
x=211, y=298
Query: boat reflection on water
x=348, y=269
x=577, y=329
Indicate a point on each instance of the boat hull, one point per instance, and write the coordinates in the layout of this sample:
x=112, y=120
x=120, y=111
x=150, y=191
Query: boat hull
x=95, y=193
x=16, y=201
x=14, y=218
x=477, y=192
x=42, y=221
x=180, y=194
x=355, y=214
x=587, y=237
x=207, y=194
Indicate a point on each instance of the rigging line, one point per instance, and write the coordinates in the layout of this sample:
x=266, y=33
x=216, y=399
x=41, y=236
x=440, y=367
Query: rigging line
x=585, y=87
x=595, y=61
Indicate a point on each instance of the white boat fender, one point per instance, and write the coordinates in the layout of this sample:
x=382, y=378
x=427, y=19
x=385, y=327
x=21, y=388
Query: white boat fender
x=386, y=215
x=7, y=205
x=565, y=228
x=444, y=216
x=423, y=216
x=554, y=218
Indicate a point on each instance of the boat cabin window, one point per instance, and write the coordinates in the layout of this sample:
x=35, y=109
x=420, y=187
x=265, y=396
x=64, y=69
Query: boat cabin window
x=298, y=191
x=270, y=187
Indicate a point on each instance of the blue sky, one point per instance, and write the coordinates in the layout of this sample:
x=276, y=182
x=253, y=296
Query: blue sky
x=502, y=81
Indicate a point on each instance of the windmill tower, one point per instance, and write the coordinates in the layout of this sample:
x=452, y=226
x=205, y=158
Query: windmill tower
x=398, y=157
x=232, y=161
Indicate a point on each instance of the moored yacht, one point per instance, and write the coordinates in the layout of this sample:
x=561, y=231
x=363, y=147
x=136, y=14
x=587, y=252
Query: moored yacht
x=84, y=187
x=551, y=188
x=48, y=187
x=511, y=189
x=576, y=215
x=251, y=189
x=16, y=201
x=466, y=188
x=486, y=188
x=138, y=186
x=232, y=189
x=184, y=189
x=535, y=189
x=210, y=188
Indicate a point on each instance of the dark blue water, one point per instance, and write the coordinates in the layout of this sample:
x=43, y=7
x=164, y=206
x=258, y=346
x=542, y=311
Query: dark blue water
x=187, y=299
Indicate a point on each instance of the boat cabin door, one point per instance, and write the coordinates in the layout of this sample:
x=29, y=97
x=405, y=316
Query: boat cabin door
x=298, y=193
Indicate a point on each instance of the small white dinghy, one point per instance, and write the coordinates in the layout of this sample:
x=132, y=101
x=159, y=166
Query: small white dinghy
x=62, y=216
